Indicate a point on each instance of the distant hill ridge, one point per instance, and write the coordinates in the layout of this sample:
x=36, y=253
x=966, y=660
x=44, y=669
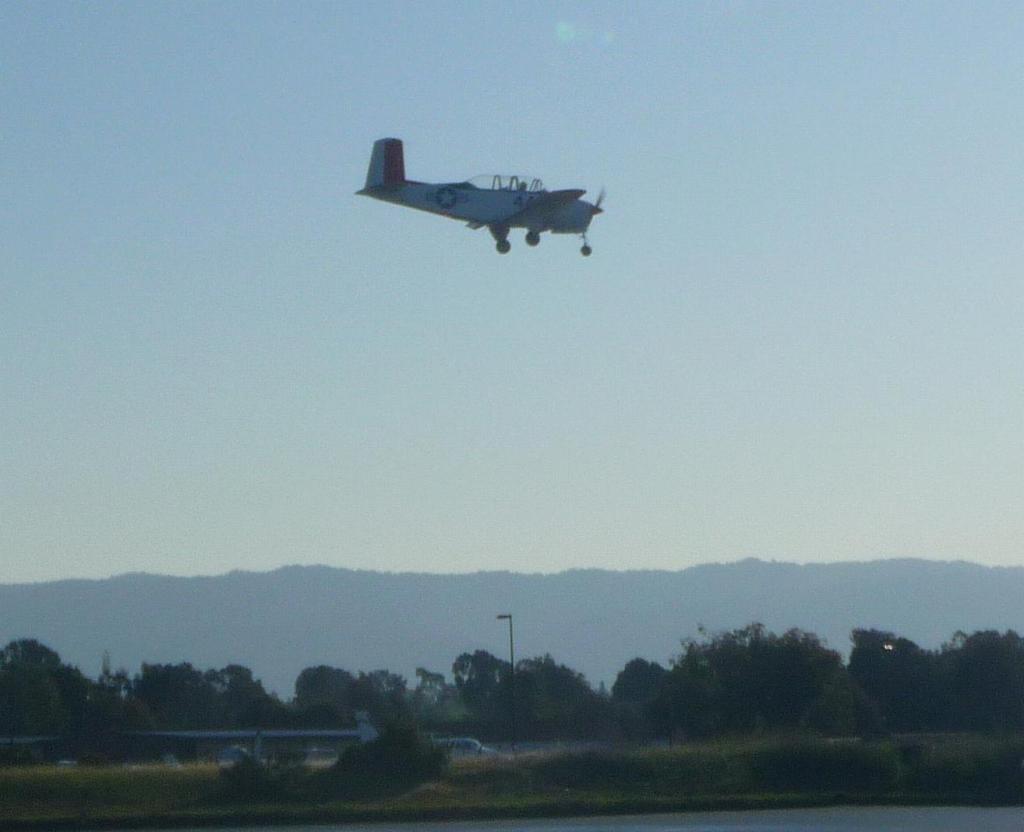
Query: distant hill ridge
x=593, y=620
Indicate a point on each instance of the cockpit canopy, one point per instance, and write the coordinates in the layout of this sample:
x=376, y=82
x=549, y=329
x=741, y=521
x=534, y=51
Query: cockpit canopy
x=501, y=182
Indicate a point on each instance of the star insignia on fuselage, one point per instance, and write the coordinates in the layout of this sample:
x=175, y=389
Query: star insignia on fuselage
x=446, y=198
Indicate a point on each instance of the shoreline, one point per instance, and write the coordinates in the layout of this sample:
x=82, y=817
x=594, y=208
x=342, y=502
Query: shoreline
x=747, y=775
x=345, y=814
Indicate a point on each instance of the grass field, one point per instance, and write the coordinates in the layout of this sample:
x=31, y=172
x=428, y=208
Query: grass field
x=741, y=774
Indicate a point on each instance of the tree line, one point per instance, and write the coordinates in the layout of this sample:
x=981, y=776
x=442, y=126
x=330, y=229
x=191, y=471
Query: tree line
x=739, y=682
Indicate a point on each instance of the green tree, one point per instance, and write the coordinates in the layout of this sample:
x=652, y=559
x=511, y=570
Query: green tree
x=32, y=680
x=431, y=689
x=986, y=676
x=750, y=680
x=478, y=678
x=382, y=694
x=242, y=701
x=842, y=709
x=690, y=698
x=177, y=695
x=435, y=701
x=28, y=652
x=555, y=701
x=322, y=694
x=397, y=760
x=905, y=682
x=639, y=682
x=330, y=695
x=30, y=701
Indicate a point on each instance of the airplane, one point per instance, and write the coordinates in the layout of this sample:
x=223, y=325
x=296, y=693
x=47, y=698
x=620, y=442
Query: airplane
x=498, y=202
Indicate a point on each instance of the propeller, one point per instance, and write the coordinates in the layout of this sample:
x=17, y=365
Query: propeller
x=600, y=198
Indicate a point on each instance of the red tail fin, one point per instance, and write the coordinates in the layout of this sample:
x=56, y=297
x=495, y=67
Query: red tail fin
x=387, y=164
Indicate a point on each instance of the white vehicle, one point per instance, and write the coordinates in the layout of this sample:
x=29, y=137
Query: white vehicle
x=320, y=757
x=498, y=202
x=232, y=755
x=465, y=747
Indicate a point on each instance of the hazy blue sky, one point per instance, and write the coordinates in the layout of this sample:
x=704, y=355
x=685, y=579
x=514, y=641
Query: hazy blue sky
x=799, y=336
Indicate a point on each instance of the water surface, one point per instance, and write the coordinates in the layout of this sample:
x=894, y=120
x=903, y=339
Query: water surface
x=842, y=819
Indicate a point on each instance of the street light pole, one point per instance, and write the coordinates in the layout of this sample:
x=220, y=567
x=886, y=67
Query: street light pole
x=512, y=676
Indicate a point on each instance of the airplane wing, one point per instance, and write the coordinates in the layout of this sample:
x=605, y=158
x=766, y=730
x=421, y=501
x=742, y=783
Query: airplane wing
x=542, y=204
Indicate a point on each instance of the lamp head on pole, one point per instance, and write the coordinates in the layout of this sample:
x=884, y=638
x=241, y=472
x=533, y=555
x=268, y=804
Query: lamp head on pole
x=505, y=615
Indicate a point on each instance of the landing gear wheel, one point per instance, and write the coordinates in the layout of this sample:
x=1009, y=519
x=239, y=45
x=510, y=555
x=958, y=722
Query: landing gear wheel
x=586, y=250
x=532, y=238
x=503, y=246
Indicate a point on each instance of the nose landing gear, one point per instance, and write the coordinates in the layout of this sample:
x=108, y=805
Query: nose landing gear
x=586, y=249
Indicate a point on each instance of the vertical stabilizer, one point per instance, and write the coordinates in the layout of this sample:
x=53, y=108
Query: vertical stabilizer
x=387, y=164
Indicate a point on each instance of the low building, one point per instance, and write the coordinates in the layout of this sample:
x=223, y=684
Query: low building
x=262, y=744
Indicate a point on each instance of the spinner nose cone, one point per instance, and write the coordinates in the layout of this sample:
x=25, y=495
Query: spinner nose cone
x=597, y=209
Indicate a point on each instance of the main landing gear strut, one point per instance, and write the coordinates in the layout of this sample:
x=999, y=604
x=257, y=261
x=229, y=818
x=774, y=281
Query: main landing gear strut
x=500, y=234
